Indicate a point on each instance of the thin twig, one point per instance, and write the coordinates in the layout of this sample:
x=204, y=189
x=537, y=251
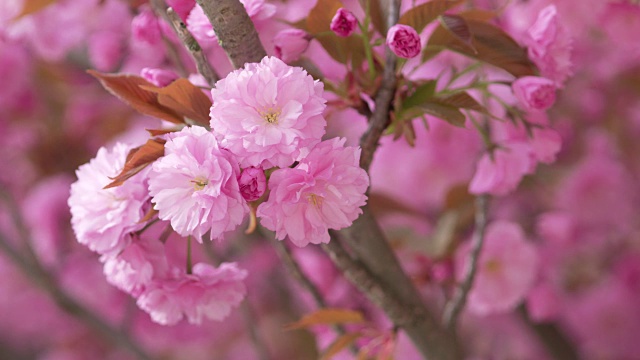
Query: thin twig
x=66, y=302
x=249, y=323
x=245, y=307
x=194, y=48
x=294, y=269
x=454, y=307
x=159, y=7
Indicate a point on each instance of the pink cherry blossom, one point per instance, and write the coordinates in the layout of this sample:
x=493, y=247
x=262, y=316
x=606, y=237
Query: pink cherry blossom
x=268, y=114
x=550, y=46
x=344, y=23
x=535, y=93
x=545, y=144
x=103, y=218
x=253, y=183
x=404, y=41
x=145, y=27
x=325, y=191
x=206, y=293
x=158, y=77
x=106, y=49
x=133, y=269
x=501, y=174
x=507, y=268
x=289, y=44
x=195, y=185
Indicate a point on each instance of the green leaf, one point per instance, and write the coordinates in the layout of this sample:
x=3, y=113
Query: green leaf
x=448, y=113
x=420, y=16
x=343, y=49
x=489, y=44
x=421, y=94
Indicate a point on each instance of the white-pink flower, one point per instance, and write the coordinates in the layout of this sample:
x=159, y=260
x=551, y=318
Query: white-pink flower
x=507, y=268
x=501, y=173
x=550, y=46
x=135, y=267
x=325, y=191
x=268, y=114
x=206, y=293
x=103, y=218
x=195, y=187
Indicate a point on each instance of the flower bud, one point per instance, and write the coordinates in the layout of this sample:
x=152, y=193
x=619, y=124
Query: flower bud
x=534, y=93
x=343, y=23
x=404, y=41
x=252, y=183
x=158, y=77
x=145, y=27
x=290, y=44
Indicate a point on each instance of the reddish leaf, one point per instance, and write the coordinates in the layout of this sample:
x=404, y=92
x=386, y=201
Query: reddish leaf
x=327, y=317
x=320, y=16
x=420, y=16
x=340, y=344
x=185, y=99
x=158, y=132
x=491, y=45
x=138, y=159
x=148, y=216
x=378, y=13
x=32, y=6
x=458, y=27
x=128, y=89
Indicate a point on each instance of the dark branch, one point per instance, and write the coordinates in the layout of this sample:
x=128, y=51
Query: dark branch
x=454, y=307
x=235, y=31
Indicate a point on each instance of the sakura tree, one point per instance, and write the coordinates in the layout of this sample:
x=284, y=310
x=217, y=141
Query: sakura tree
x=266, y=179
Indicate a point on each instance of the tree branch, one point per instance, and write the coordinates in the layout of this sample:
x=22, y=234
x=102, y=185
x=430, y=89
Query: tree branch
x=42, y=278
x=454, y=307
x=235, y=31
x=379, y=120
x=192, y=45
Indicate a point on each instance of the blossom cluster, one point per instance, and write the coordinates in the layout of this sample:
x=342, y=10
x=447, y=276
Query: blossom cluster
x=266, y=116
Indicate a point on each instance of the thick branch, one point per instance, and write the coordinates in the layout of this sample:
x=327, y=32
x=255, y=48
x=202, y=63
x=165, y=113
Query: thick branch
x=235, y=31
x=454, y=307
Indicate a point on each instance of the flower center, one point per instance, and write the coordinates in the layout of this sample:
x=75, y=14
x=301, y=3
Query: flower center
x=270, y=115
x=493, y=266
x=315, y=200
x=199, y=183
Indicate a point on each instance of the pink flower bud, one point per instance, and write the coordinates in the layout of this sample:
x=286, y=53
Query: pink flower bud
x=343, y=23
x=404, y=41
x=252, y=183
x=534, y=93
x=290, y=44
x=145, y=27
x=158, y=77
